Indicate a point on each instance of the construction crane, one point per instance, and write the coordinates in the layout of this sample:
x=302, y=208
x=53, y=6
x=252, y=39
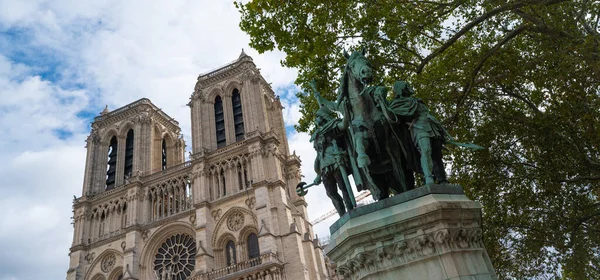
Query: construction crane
x=333, y=212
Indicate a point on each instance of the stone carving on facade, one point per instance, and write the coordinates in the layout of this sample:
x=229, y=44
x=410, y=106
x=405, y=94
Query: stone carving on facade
x=193, y=218
x=235, y=221
x=90, y=257
x=145, y=235
x=410, y=250
x=123, y=245
x=108, y=262
x=216, y=214
x=250, y=202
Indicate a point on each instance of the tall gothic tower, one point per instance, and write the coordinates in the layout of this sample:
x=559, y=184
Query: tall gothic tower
x=230, y=212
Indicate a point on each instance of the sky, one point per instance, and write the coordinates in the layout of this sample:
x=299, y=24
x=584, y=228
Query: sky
x=61, y=62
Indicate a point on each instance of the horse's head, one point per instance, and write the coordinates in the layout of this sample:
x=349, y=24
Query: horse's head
x=359, y=67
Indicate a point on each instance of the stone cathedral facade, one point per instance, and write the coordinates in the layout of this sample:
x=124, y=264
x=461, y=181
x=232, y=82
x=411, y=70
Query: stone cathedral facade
x=229, y=212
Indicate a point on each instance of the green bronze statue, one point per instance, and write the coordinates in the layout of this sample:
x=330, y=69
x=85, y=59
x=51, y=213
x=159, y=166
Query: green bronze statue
x=381, y=143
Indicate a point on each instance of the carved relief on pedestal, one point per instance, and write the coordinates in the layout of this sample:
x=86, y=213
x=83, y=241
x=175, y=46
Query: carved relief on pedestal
x=409, y=250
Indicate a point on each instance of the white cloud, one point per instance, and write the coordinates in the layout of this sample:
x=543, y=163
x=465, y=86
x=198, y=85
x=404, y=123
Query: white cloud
x=101, y=52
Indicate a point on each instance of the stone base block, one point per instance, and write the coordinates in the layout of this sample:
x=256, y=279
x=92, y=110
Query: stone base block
x=431, y=232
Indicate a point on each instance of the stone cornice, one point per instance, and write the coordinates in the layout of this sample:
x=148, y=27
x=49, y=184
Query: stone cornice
x=225, y=72
x=139, y=228
x=132, y=110
x=105, y=196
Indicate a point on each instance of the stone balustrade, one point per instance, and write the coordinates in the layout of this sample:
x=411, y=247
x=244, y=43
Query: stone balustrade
x=170, y=170
x=257, y=268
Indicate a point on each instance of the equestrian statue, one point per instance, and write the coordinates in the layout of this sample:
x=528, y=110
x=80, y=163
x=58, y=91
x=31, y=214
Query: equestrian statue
x=381, y=143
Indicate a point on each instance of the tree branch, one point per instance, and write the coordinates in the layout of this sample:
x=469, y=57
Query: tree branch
x=402, y=47
x=468, y=27
x=520, y=97
x=488, y=54
x=478, y=20
x=581, y=178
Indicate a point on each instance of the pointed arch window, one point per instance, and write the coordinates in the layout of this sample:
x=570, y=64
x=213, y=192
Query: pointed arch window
x=163, y=161
x=111, y=164
x=220, y=122
x=129, y=154
x=253, y=250
x=238, y=118
x=230, y=253
x=223, y=182
x=240, y=176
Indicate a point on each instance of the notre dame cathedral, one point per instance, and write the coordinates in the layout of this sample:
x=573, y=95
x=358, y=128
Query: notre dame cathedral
x=229, y=212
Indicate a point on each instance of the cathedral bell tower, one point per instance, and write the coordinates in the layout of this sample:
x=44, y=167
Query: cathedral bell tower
x=229, y=212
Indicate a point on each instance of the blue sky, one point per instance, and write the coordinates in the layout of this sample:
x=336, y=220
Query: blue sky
x=61, y=62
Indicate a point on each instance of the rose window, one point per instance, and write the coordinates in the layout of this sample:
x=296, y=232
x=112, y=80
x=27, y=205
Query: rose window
x=175, y=258
x=235, y=221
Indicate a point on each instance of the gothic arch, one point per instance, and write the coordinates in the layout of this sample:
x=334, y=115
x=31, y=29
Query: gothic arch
x=246, y=231
x=158, y=131
x=223, y=239
x=156, y=241
x=245, y=247
x=99, y=276
x=95, y=267
x=116, y=273
x=213, y=93
x=125, y=128
x=221, y=227
x=231, y=85
x=108, y=134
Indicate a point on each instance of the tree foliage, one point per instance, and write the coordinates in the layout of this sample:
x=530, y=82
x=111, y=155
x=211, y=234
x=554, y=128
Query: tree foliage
x=520, y=77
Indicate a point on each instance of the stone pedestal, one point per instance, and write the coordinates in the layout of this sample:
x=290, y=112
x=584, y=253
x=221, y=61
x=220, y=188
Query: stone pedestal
x=431, y=232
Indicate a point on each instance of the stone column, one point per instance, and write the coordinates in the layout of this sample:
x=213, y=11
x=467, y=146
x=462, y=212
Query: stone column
x=431, y=232
x=92, y=143
x=246, y=96
x=131, y=256
x=210, y=126
x=205, y=260
x=137, y=147
x=101, y=161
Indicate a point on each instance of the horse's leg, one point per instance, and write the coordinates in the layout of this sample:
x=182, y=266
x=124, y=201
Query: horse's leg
x=361, y=145
x=382, y=184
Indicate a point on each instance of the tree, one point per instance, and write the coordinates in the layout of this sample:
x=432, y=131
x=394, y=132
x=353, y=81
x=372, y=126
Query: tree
x=520, y=77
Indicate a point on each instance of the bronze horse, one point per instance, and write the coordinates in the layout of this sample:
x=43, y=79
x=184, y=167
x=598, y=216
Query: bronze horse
x=376, y=155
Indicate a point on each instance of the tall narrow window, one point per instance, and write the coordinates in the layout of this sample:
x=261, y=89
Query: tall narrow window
x=246, y=176
x=129, y=154
x=220, y=122
x=253, y=250
x=112, y=164
x=163, y=160
x=230, y=252
x=240, y=179
x=223, y=182
x=238, y=119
